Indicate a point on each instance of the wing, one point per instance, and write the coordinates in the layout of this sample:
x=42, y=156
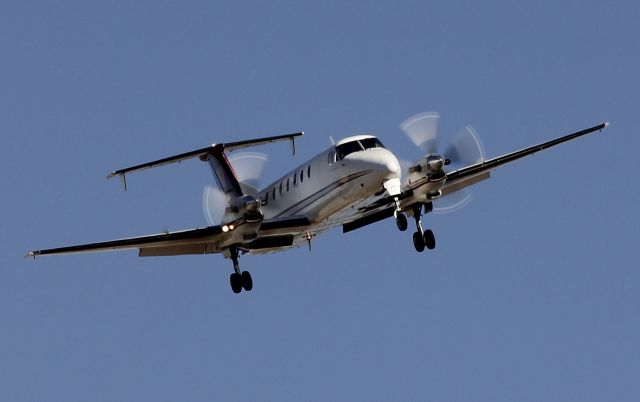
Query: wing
x=486, y=166
x=271, y=234
x=196, y=240
x=456, y=180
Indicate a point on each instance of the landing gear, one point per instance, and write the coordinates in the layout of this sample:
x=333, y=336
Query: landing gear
x=247, y=282
x=401, y=221
x=429, y=239
x=418, y=241
x=239, y=279
x=422, y=239
x=401, y=218
x=236, y=282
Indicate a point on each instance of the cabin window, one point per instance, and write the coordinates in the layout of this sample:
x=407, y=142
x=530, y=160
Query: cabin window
x=287, y=184
x=266, y=198
x=280, y=188
x=301, y=176
x=295, y=179
x=309, y=171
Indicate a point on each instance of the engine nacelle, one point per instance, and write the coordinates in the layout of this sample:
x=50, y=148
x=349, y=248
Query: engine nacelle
x=250, y=208
x=435, y=163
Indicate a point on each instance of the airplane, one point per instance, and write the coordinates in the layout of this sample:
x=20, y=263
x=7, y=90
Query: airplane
x=355, y=182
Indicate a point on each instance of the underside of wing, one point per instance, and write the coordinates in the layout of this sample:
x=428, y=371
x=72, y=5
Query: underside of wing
x=199, y=241
x=271, y=234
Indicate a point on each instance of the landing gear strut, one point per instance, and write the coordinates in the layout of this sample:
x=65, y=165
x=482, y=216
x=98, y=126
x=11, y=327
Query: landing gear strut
x=239, y=279
x=401, y=218
x=422, y=238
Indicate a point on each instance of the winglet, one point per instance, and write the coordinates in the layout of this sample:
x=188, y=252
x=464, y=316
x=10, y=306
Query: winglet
x=123, y=179
x=293, y=143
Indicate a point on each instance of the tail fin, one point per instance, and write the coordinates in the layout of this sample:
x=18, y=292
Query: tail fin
x=223, y=172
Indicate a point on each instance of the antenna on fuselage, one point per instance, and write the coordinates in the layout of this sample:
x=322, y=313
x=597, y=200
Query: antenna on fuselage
x=331, y=140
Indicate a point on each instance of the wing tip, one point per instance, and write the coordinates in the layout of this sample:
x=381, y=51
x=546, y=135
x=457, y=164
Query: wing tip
x=32, y=254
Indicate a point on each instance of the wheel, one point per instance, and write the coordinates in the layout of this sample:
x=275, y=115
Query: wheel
x=236, y=282
x=429, y=239
x=401, y=222
x=418, y=241
x=247, y=282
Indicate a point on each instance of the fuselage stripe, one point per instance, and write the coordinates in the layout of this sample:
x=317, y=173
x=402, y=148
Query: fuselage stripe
x=295, y=208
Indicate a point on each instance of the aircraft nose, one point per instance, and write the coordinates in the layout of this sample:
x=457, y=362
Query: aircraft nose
x=392, y=166
x=383, y=161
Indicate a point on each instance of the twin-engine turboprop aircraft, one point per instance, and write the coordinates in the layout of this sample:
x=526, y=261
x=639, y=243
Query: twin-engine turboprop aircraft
x=353, y=183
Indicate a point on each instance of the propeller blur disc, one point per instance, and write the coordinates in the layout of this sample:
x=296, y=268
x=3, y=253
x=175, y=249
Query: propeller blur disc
x=248, y=167
x=452, y=202
x=422, y=130
x=465, y=148
x=214, y=203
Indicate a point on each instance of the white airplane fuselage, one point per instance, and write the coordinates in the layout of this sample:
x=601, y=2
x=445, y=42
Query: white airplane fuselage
x=329, y=185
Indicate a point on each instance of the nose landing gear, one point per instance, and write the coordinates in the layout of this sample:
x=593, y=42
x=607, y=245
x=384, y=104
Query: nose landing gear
x=401, y=218
x=239, y=279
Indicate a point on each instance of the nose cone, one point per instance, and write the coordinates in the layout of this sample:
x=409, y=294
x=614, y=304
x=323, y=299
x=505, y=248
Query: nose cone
x=392, y=166
x=380, y=160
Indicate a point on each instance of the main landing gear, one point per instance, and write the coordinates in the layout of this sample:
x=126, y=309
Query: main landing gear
x=239, y=279
x=421, y=238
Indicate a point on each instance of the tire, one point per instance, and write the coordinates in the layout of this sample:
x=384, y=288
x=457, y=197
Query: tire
x=429, y=239
x=401, y=222
x=418, y=242
x=236, y=283
x=247, y=282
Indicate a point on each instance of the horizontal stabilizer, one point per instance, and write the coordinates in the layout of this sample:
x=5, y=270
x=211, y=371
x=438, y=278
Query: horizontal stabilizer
x=202, y=153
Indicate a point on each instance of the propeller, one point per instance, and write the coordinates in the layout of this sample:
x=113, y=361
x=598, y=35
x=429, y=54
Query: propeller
x=464, y=149
x=248, y=167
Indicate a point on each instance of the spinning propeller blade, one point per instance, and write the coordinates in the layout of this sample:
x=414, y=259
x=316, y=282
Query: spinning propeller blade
x=248, y=167
x=464, y=149
x=422, y=130
x=214, y=202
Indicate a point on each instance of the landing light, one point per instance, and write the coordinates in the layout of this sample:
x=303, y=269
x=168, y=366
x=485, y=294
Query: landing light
x=225, y=228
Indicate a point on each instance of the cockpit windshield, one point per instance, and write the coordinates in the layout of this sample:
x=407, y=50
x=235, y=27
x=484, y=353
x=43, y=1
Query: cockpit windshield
x=350, y=147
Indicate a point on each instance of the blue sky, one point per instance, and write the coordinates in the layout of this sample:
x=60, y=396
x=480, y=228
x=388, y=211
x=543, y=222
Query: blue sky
x=531, y=294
